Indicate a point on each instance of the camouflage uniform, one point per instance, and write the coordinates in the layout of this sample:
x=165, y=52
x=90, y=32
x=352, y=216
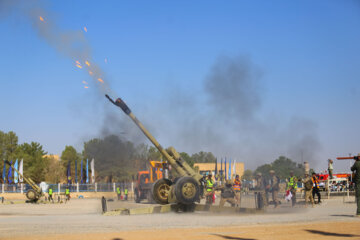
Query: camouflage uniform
x=356, y=169
x=308, y=189
x=261, y=191
x=227, y=194
x=274, y=189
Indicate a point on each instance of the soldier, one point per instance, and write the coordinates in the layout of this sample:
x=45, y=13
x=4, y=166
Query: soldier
x=118, y=192
x=209, y=189
x=292, y=186
x=67, y=194
x=227, y=194
x=330, y=168
x=237, y=189
x=274, y=187
x=308, y=186
x=50, y=192
x=261, y=191
x=316, y=188
x=126, y=193
x=356, y=179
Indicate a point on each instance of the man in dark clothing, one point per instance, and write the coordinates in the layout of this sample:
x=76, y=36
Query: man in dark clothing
x=316, y=188
x=356, y=179
x=227, y=194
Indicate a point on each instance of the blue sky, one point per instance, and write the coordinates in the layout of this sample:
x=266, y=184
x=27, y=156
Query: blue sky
x=308, y=53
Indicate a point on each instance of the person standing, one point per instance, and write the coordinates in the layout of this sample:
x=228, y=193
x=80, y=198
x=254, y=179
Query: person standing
x=50, y=192
x=274, y=187
x=67, y=194
x=209, y=189
x=308, y=186
x=237, y=189
x=356, y=179
x=118, y=192
x=260, y=190
x=227, y=194
x=126, y=193
x=330, y=168
x=292, y=186
x=316, y=187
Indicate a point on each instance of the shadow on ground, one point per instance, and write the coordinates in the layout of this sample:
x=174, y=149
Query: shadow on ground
x=230, y=237
x=331, y=234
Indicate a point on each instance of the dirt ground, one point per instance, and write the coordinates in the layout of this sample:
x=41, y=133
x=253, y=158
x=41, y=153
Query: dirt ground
x=82, y=219
x=318, y=231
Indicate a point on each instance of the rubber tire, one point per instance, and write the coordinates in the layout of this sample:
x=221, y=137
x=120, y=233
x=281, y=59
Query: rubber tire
x=178, y=190
x=137, y=196
x=31, y=195
x=155, y=193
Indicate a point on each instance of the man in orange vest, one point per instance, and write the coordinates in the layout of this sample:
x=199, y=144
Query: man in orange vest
x=316, y=188
x=237, y=189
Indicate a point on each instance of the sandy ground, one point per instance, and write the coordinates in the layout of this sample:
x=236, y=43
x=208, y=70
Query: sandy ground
x=81, y=219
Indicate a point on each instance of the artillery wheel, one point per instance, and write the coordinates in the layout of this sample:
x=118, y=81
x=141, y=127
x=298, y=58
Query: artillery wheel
x=160, y=190
x=32, y=195
x=187, y=190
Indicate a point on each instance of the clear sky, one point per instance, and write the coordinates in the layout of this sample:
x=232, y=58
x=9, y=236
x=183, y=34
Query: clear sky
x=308, y=53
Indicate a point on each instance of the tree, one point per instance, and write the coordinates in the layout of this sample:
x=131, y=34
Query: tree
x=186, y=157
x=282, y=167
x=55, y=171
x=203, y=157
x=154, y=154
x=247, y=175
x=71, y=156
x=35, y=163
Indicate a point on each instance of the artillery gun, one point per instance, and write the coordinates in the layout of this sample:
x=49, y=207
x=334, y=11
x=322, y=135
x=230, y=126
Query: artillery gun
x=33, y=194
x=186, y=185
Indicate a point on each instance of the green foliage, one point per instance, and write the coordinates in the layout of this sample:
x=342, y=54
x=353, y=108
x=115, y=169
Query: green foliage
x=154, y=154
x=35, y=164
x=186, y=157
x=203, y=157
x=115, y=158
x=282, y=167
x=248, y=175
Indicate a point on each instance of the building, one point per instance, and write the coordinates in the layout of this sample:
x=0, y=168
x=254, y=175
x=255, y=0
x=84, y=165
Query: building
x=205, y=168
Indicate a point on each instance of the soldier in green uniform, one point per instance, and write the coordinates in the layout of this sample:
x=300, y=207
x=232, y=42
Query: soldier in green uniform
x=227, y=194
x=292, y=186
x=260, y=189
x=308, y=186
x=356, y=170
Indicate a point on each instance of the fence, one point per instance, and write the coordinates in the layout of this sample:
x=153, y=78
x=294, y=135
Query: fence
x=77, y=187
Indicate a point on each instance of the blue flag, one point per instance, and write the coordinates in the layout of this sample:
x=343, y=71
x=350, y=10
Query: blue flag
x=75, y=170
x=10, y=174
x=229, y=175
x=221, y=170
x=15, y=172
x=225, y=169
x=87, y=171
x=216, y=170
x=4, y=172
x=68, y=173
x=81, y=172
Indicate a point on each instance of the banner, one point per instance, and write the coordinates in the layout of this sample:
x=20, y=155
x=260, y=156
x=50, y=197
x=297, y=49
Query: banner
x=15, y=173
x=76, y=171
x=221, y=170
x=68, y=173
x=229, y=174
x=81, y=172
x=4, y=173
x=225, y=169
x=10, y=174
x=87, y=171
x=216, y=170
x=234, y=168
x=92, y=171
x=21, y=170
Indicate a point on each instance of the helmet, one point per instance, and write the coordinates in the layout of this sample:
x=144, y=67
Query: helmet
x=271, y=171
x=258, y=174
x=228, y=182
x=237, y=176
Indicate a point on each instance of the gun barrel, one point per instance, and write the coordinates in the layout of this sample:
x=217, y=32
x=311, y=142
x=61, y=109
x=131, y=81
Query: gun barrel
x=121, y=104
x=344, y=158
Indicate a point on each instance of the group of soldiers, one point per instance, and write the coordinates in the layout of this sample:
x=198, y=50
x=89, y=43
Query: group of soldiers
x=264, y=187
x=230, y=191
x=50, y=194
